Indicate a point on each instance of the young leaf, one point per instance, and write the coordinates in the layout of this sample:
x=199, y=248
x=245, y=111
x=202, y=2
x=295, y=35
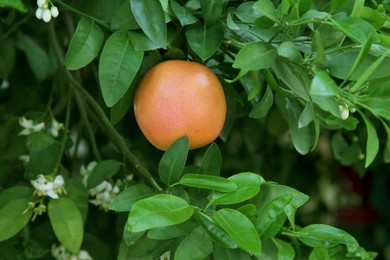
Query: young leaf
x=240, y=228
x=67, y=223
x=248, y=185
x=372, y=146
x=255, y=56
x=171, y=166
x=261, y=108
x=208, y=182
x=158, y=211
x=285, y=250
x=125, y=200
x=211, y=162
x=118, y=65
x=320, y=235
x=182, y=13
x=205, y=39
x=217, y=234
x=12, y=218
x=324, y=85
x=150, y=17
x=197, y=244
x=85, y=44
x=102, y=171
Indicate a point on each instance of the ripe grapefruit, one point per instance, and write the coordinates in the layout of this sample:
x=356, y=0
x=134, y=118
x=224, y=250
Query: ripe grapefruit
x=177, y=98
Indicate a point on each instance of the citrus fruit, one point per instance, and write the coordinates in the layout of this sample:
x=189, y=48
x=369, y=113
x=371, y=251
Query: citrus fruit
x=177, y=98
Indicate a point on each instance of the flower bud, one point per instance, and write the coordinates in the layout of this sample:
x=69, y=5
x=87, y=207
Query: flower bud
x=54, y=11
x=41, y=3
x=38, y=13
x=46, y=15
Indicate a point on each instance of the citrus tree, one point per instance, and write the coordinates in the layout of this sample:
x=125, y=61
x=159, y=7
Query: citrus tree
x=295, y=88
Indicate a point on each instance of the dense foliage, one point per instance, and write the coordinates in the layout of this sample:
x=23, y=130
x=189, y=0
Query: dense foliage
x=307, y=85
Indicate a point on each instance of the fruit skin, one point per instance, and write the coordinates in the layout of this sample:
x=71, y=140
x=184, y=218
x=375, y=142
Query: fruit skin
x=177, y=98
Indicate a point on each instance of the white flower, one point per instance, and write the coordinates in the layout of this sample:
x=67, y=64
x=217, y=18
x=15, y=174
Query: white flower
x=4, y=84
x=85, y=172
x=104, y=193
x=55, y=127
x=61, y=253
x=45, y=187
x=29, y=126
x=25, y=158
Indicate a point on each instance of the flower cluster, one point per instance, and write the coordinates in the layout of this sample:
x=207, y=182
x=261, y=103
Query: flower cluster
x=104, y=193
x=44, y=12
x=32, y=127
x=46, y=186
x=60, y=253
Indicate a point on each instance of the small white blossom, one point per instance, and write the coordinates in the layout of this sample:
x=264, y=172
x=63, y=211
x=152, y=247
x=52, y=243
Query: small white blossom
x=54, y=11
x=55, y=127
x=104, y=194
x=344, y=112
x=29, y=126
x=45, y=187
x=38, y=13
x=46, y=15
x=61, y=253
x=86, y=171
x=4, y=84
x=25, y=158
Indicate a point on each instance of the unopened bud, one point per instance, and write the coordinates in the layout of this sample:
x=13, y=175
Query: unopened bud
x=46, y=15
x=54, y=11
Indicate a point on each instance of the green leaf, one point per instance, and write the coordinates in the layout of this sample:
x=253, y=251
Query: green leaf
x=271, y=218
x=38, y=166
x=171, y=166
x=285, y=250
x=165, y=233
x=357, y=29
x=324, y=85
x=182, y=13
x=118, y=65
x=223, y=253
x=217, y=234
x=240, y=228
x=307, y=116
x=362, y=54
x=102, y=171
x=13, y=193
x=211, y=162
x=255, y=56
x=266, y=8
x=12, y=218
x=123, y=18
x=150, y=17
x=318, y=47
x=357, y=8
x=85, y=44
x=196, y=245
x=120, y=109
x=125, y=200
x=372, y=146
x=15, y=4
x=320, y=235
x=67, y=223
x=212, y=9
x=248, y=185
x=261, y=108
x=39, y=141
x=204, y=39
x=37, y=57
x=79, y=195
x=7, y=57
x=289, y=50
x=208, y=182
x=158, y=211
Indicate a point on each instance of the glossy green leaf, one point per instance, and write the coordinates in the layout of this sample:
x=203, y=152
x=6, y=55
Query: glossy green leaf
x=212, y=9
x=307, y=116
x=248, y=185
x=150, y=17
x=311, y=16
x=357, y=8
x=361, y=56
x=255, y=56
x=372, y=146
x=320, y=235
x=357, y=29
x=317, y=46
x=125, y=200
x=261, y=108
x=158, y=211
x=165, y=233
x=246, y=13
x=85, y=44
x=67, y=223
x=289, y=50
x=271, y=218
x=217, y=234
x=386, y=153
x=13, y=193
x=102, y=171
x=211, y=162
x=39, y=141
x=77, y=193
x=204, y=39
x=240, y=228
x=197, y=245
x=15, y=4
x=118, y=65
x=141, y=42
x=120, y=109
x=285, y=250
x=7, y=57
x=13, y=218
x=266, y=8
x=327, y=103
x=209, y=182
x=324, y=85
x=182, y=13
x=123, y=18
x=171, y=166
x=37, y=57
x=38, y=166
